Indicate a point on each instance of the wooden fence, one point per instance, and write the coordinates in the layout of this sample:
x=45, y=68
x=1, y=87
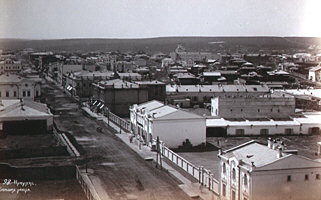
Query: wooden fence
x=120, y=122
x=204, y=176
x=91, y=195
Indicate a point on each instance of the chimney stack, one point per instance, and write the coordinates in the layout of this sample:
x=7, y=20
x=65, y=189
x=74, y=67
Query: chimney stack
x=279, y=155
x=274, y=144
x=269, y=143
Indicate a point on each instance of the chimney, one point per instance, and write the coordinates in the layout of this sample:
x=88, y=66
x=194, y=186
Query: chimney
x=274, y=144
x=279, y=155
x=269, y=143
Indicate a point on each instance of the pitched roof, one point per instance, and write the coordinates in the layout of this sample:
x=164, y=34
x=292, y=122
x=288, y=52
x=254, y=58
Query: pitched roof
x=14, y=108
x=10, y=78
x=265, y=158
x=158, y=110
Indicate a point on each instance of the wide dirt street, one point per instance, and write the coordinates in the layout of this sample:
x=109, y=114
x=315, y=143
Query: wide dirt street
x=112, y=164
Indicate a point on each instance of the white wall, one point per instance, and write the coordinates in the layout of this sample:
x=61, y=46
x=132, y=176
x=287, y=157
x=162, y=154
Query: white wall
x=273, y=185
x=255, y=130
x=312, y=76
x=175, y=132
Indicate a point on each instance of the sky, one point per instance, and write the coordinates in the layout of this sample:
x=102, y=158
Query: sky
x=53, y=19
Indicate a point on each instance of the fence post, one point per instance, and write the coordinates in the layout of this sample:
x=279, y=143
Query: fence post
x=201, y=181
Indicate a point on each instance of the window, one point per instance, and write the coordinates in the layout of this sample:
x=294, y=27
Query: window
x=231, y=110
x=224, y=168
x=14, y=93
x=288, y=131
x=0, y=94
x=233, y=195
x=258, y=110
x=289, y=178
x=26, y=85
x=7, y=94
x=239, y=132
x=233, y=174
x=224, y=190
x=306, y=177
x=317, y=176
x=28, y=93
x=264, y=131
x=24, y=93
x=37, y=93
x=245, y=180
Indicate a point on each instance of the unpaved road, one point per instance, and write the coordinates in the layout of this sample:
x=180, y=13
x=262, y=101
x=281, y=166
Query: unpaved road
x=122, y=173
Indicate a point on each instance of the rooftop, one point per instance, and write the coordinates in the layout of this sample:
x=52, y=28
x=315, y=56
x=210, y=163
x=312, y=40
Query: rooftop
x=26, y=108
x=217, y=88
x=116, y=83
x=263, y=157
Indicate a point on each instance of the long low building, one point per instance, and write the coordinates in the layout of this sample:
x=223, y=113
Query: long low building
x=264, y=106
x=24, y=117
x=173, y=126
x=306, y=123
x=199, y=94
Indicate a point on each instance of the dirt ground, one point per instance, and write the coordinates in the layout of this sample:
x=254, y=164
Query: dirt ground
x=43, y=190
x=122, y=173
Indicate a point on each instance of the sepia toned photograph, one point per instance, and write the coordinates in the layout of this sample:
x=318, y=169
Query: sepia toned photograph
x=160, y=100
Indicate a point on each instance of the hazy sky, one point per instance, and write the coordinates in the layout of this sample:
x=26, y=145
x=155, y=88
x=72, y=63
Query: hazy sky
x=40, y=19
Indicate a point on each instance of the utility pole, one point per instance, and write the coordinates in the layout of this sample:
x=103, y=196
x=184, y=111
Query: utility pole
x=159, y=154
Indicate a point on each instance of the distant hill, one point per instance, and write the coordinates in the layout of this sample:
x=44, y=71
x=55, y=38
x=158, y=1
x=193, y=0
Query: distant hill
x=163, y=44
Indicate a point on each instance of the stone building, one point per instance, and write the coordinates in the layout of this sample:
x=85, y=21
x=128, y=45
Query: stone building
x=10, y=66
x=117, y=95
x=13, y=86
x=253, y=171
x=173, y=126
x=265, y=106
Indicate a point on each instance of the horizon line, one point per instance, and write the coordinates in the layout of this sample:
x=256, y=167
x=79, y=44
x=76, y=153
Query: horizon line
x=157, y=37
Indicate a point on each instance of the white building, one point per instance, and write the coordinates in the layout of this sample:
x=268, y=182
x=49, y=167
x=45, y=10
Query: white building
x=315, y=74
x=13, y=86
x=253, y=171
x=10, y=65
x=173, y=126
x=223, y=127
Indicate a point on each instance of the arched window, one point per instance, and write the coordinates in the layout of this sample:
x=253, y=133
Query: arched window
x=233, y=174
x=224, y=168
x=245, y=180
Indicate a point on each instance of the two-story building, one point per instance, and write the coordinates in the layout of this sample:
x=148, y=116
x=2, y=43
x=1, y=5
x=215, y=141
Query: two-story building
x=253, y=171
x=117, y=95
x=13, y=86
x=246, y=106
x=173, y=126
x=80, y=83
x=11, y=66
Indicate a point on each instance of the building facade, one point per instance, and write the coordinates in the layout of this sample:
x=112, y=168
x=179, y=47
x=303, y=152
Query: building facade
x=315, y=74
x=199, y=94
x=253, y=171
x=156, y=90
x=13, y=86
x=264, y=106
x=173, y=126
x=117, y=95
x=10, y=66
x=80, y=83
x=18, y=117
